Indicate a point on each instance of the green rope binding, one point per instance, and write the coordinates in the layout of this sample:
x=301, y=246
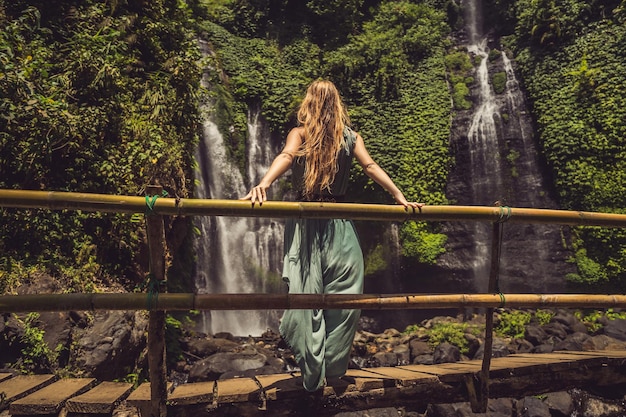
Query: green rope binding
x=151, y=201
x=152, y=287
x=502, y=300
x=504, y=217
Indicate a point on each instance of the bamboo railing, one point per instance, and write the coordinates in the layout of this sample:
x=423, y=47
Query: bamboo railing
x=57, y=200
x=157, y=305
x=235, y=301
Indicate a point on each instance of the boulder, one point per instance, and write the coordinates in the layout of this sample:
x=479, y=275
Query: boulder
x=445, y=353
x=112, y=346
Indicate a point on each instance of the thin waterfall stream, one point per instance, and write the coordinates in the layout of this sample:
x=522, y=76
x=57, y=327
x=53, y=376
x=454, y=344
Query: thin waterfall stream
x=235, y=254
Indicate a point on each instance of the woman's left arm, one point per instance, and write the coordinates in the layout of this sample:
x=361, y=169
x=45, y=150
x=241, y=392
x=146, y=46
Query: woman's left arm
x=378, y=174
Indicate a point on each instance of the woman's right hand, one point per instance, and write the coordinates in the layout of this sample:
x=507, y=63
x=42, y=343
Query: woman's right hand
x=258, y=193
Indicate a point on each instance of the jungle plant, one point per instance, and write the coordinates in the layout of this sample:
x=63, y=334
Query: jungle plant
x=513, y=323
x=450, y=332
x=36, y=354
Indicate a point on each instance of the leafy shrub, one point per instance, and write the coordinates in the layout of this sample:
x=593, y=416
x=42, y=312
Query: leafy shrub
x=543, y=317
x=450, y=332
x=513, y=324
x=498, y=80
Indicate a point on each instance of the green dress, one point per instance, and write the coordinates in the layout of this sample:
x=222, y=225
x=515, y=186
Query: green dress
x=323, y=256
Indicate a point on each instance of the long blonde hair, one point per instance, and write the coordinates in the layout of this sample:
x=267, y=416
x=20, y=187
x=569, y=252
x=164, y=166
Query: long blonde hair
x=324, y=117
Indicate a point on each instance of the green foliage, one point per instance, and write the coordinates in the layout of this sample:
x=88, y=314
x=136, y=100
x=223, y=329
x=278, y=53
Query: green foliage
x=577, y=91
x=459, y=68
x=94, y=97
x=450, y=332
x=513, y=323
x=173, y=336
x=511, y=158
x=548, y=22
x=593, y=318
x=543, y=317
x=391, y=75
x=498, y=80
x=589, y=271
x=375, y=260
x=418, y=242
x=36, y=354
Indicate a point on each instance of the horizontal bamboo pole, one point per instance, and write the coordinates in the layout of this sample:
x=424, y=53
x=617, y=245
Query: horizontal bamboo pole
x=58, y=200
x=186, y=301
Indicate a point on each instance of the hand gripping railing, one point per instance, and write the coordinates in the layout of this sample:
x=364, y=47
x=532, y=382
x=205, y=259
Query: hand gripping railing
x=155, y=206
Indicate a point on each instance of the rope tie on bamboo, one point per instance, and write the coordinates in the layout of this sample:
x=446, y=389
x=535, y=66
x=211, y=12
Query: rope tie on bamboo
x=152, y=286
x=151, y=201
x=505, y=214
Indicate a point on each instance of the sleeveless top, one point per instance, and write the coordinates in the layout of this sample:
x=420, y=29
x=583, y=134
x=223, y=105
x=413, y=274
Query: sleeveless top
x=339, y=186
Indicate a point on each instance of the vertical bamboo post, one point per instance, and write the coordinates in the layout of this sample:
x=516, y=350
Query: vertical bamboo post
x=483, y=392
x=156, y=326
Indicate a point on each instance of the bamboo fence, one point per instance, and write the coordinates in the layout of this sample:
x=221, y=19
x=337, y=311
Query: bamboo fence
x=157, y=303
x=57, y=200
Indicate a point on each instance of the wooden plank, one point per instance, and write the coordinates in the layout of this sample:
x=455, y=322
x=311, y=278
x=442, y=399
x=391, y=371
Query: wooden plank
x=142, y=394
x=365, y=380
x=193, y=393
x=564, y=361
x=238, y=390
x=617, y=354
x=22, y=385
x=4, y=376
x=404, y=375
x=50, y=398
x=280, y=386
x=445, y=372
x=101, y=399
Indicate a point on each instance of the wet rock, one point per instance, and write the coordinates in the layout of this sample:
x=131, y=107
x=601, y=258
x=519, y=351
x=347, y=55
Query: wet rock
x=214, y=366
x=419, y=347
x=560, y=404
x=208, y=346
x=385, y=359
x=499, y=349
x=532, y=407
x=556, y=329
x=615, y=329
x=573, y=342
x=445, y=353
x=403, y=356
x=521, y=346
x=423, y=360
x=543, y=348
x=113, y=345
x=535, y=334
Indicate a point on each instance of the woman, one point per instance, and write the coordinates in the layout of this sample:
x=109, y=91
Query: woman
x=321, y=255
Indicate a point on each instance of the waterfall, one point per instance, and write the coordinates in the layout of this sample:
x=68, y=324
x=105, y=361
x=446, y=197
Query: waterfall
x=497, y=161
x=235, y=254
x=482, y=136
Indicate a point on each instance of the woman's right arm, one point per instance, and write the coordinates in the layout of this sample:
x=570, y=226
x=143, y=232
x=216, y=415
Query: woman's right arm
x=279, y=166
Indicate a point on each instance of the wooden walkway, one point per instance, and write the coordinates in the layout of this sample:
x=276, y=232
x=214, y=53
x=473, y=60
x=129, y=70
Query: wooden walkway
x=282, y=394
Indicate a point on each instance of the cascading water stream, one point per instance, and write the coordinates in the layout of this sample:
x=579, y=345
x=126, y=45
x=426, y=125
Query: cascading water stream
x=233, y=254
x=497, y=161
x=482, y=136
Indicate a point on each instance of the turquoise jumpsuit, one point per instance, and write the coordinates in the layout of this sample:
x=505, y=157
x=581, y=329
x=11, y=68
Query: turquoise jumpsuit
x=322, y=256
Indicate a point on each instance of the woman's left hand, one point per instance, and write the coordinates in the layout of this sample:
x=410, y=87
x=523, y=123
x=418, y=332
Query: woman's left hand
x=401, y=200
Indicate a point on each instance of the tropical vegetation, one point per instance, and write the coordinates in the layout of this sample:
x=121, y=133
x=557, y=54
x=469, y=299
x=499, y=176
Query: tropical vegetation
x=104, y=97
